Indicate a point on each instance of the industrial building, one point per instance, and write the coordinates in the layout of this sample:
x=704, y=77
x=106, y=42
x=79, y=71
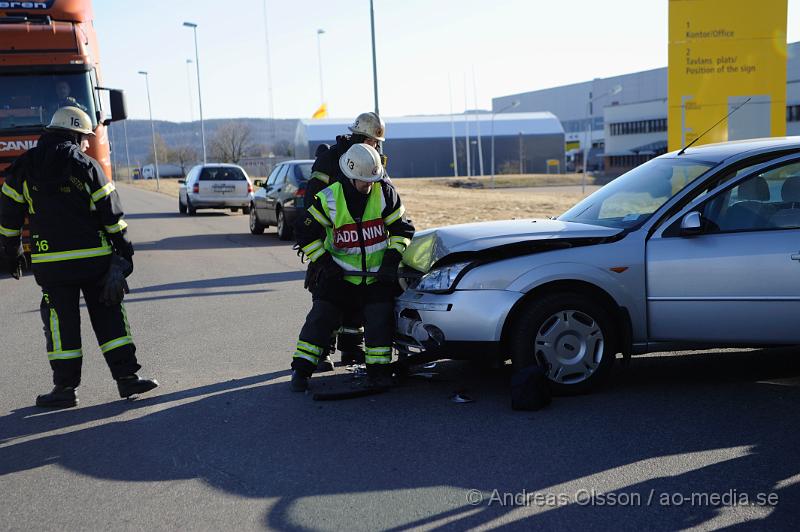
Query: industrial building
x=628, y=127
x=422, y=146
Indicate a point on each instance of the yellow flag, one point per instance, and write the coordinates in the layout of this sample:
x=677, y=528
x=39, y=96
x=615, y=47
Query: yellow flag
x=322, y=112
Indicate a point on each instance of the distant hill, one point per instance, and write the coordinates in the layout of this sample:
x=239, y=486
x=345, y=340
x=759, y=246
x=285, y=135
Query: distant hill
x=179, y=134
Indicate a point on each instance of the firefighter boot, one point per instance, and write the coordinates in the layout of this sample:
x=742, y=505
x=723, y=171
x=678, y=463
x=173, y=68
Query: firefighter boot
x=324, y=365
x=379, y=376
x=299, y=381
x=133, y=385
x=60, y=397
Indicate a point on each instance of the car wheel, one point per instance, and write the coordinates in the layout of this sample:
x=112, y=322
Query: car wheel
x=245, y=210
x=181, y=207
x=284, y=231
x=190, y=208
x=256, y=227
x=234, y=209
x=571, y=336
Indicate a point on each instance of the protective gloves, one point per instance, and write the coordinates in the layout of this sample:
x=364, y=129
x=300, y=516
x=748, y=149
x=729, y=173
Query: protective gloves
x=387, y=273
x=123, y=247
x=113, y=284
x=12, y=257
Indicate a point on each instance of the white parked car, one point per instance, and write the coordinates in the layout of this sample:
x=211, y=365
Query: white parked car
x=215, y=186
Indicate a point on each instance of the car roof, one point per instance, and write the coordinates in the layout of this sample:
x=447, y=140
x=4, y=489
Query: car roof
x=220, y=165
x=298, y=161
x=721, y=151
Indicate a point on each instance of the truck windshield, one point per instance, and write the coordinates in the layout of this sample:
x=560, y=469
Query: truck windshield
x=631, y=198
x=28, y=101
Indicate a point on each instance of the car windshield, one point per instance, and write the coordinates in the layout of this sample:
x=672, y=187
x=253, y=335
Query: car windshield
x=222, y=174
x=631, y=198
x=30, y=100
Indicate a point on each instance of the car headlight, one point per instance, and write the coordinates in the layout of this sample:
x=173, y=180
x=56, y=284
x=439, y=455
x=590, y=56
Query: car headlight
x=441, y=279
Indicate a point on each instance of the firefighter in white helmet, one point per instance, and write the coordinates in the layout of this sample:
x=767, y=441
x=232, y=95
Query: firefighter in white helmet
x=367, y=128
x=355, y=232
x=79, y=246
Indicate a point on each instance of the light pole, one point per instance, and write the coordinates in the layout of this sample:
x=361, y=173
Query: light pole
x=319, y=58
x=616, y=89
x=152, y=127
x=189, y=87
x=199, y=93
x=127, y=151
x=507, y=107
x=374, y=58
x=269, y=75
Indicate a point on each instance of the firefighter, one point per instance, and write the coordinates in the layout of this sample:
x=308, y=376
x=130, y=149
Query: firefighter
x=367, y=128
x=355, y=225
x=79, y=244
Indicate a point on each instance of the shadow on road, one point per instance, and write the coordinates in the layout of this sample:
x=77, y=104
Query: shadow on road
x=211, y=241
x=712, y=422
x=242, y=280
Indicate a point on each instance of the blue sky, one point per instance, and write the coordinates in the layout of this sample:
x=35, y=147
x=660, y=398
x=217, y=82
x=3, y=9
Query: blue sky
x=512, y=45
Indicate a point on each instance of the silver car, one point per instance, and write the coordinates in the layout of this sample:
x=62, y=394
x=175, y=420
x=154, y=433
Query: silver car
x=690, y=250
x=215, y=186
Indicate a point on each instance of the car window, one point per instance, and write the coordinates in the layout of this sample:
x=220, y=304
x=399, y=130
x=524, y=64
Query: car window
x=631, y=198
x=768, y=200
x=302, y=172
x=282, y=174
x=222, y=173
x=274, y=175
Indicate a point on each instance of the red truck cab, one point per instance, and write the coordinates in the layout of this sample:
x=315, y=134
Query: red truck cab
x=49, y=59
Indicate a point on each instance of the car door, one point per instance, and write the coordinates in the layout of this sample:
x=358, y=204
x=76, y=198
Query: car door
x=260, y=198
x=274, y=190
x=736, y=278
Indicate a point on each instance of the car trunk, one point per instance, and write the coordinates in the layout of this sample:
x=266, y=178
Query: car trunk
x=220, y=183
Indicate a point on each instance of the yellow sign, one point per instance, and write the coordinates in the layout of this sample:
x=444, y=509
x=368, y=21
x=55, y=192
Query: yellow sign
x=722, y=52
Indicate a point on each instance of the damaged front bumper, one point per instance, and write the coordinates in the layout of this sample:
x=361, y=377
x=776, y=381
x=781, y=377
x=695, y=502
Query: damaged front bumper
x=463, y=324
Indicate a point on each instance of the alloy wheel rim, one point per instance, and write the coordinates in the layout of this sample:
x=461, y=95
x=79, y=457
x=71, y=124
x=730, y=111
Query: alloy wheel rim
x=570, y=345
x=252, y=219
x=280, y=222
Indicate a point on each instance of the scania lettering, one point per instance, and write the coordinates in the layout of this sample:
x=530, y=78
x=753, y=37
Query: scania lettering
x=49, y=59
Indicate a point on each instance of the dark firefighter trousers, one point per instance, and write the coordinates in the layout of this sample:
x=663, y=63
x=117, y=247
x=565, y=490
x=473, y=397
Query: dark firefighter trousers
x=60, y=310
x=333, y=301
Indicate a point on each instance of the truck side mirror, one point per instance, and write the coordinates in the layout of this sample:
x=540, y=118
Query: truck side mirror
x=119, y=108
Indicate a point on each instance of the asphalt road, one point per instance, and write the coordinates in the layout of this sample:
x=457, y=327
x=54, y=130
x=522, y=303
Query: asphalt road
x=223, y=443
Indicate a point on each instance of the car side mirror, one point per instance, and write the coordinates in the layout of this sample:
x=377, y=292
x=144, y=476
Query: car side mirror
x=259, y=183
x=181, y=181
x=691, y=224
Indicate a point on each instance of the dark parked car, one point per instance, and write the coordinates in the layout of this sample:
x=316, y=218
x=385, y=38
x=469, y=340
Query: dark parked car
x=277, y=201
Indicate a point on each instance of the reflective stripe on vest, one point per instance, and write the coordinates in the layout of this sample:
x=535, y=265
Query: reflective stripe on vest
x=58, y=256
x=343, y=240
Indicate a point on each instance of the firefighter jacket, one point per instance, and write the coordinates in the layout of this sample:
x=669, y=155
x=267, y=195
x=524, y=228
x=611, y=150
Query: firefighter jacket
x=74, y=211
x=354, y=229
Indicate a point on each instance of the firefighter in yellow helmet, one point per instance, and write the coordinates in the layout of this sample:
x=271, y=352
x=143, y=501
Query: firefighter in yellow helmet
x=355, y=226
x=79, y=246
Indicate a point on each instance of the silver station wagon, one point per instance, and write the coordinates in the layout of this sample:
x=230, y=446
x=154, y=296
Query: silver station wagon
x=691, y=250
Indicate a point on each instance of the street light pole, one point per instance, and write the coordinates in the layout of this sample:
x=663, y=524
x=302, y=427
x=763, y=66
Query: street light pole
x=127, y=151
x=199, y=93
x=374, y=57
x=319, y=59
x=189, y=88
x=509, y=106
x=152, y=127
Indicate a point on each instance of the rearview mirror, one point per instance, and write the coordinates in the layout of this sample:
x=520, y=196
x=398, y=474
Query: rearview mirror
x=691, y=224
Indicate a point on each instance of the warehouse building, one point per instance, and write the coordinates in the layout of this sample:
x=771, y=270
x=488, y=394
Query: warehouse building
x=628, y=127
x=422, y=146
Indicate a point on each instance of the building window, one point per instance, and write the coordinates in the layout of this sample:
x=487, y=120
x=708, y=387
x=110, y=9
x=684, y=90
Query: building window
x=643, y=126
x=793, y=113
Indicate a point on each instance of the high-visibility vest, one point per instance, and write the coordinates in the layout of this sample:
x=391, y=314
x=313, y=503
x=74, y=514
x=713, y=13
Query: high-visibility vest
x=355, y=245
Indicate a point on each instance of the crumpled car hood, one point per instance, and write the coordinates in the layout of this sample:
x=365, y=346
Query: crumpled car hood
x=515, y=236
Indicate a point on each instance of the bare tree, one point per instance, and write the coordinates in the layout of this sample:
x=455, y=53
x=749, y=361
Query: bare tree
x=231, y=142
x=182, y=156
x=283, y=147
x=162, y=148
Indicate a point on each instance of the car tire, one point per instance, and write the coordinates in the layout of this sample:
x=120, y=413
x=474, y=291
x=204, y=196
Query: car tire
x=190, y=208
x=245, y=210
x=256, y=227
x=571, y=335
x=284, y=231
x=181, y=207
x=234, y=209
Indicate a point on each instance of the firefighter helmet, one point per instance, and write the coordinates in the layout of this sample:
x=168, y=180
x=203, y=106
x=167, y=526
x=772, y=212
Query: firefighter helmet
x=369, y=125
x=362, y=162
x=71, y=119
